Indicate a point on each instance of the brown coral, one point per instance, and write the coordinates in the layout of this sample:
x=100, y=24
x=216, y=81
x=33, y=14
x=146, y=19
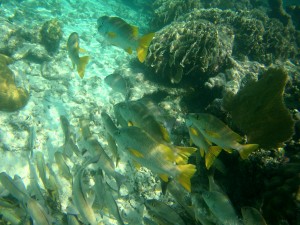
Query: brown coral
x=12, y=98
x=259, y=111
x=51, y=34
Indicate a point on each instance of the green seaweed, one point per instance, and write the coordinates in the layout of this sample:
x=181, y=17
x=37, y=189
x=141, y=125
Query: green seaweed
x=259, y=110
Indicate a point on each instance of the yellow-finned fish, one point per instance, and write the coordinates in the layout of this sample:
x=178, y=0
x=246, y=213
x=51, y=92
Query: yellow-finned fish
x=159, y=157
x=121, y=34
x=215, y=131
x=206, y=148
x=73, y=51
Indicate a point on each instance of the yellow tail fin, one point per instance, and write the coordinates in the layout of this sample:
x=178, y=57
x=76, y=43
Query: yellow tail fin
x=246, y=150
x=186, y=173
x=144, y=43
x=211, y=155
x=183, y=154
x=83, y=61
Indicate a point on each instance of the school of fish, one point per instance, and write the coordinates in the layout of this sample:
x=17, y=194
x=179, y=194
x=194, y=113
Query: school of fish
x=135, y=134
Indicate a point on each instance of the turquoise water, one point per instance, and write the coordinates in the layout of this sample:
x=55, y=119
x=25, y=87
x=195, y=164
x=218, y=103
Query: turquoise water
x=199, y=56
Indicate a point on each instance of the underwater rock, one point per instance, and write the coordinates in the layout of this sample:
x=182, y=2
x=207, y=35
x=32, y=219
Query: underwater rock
x=258, y=110
x=51, y=34
x=193, y=47
x=12, y=98
x=166, y=11
x=32, y=52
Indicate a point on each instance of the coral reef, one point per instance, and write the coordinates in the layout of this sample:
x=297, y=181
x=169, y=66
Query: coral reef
x=12, y=98
x=191, y=47
x=51, y=34
x=259, y=111
x=166, y=11
x=267, y=39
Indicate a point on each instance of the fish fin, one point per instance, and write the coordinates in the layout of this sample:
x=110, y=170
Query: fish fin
x=112, y=34
x=212, y=134
x=228, y=150
x=186, y=173
x=130, y=124
x=165, y=133
x=191, y=142
x=202, y=152
x=194, y=131
x=211, y=155
x=119, y=180
x=129, y=50
x=136, y=165
x=83, y=61
x=164, y=177
x=135, y=31
x=81, y=50
x=215, y=150
x=144, y=43
x=136, y=153
x=247, y=149
x=183, y=154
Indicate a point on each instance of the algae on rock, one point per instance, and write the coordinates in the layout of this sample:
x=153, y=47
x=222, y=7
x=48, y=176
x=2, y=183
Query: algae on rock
x=258, y=110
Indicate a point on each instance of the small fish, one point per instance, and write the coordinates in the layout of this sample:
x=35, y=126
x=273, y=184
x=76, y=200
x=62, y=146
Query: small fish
x=119, y=84
x=35, y=188
x=72, y=220
x=252, y=216
x=13, y=188
x=104, y=194
x=215, y=131
x=63, y=167
x=121, y=34
x=38, y=213
x=80, y=200
x=31, y=139
x=41, y=166
x=182, y=197
x=73, y=51
x=12, y=216
x=220, y=205
x=110, y=129
x=159, y=157
x=205, y=147
x=137, y=114
x=69, y=146
x=163, y=212
x=85, y=128
x=104, y=162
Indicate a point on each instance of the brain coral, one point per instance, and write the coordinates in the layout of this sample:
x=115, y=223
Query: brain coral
x=166, y=11
x=191, y=47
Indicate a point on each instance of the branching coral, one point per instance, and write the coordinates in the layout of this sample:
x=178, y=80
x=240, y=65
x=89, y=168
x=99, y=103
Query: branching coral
x=12, y=98
x=194, y=46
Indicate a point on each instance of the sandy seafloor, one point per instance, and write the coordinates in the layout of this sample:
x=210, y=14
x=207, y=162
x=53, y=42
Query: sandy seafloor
x=56, y=89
